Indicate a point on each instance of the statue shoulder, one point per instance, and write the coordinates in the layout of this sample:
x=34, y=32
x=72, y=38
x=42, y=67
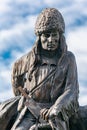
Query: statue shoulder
x=19, y=70
x=20, y=65
x=71, y=59
x=70, y=56
x=23, y=58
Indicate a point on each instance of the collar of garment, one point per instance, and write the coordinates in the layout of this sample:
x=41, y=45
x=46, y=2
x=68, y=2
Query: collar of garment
x=48, y=61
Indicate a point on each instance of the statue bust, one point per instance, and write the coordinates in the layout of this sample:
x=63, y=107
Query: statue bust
x=48, y=73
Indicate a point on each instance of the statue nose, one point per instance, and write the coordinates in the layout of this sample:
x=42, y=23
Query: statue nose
x=50, y=38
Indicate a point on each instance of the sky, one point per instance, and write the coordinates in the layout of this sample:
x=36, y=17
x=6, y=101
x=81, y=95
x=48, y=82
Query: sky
x=17, y=21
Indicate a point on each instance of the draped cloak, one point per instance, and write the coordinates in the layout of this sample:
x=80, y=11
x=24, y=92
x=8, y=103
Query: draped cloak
x=59, y=81
x=61, y=88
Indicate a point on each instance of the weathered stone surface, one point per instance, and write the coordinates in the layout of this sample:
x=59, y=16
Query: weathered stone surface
x=79, y=121
x=8, y=112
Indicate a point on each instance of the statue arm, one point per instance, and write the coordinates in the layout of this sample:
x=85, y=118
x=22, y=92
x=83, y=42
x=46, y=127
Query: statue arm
x=18, y=74
x=71, y=90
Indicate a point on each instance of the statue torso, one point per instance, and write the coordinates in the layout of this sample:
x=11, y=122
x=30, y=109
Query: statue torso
x=52, y=88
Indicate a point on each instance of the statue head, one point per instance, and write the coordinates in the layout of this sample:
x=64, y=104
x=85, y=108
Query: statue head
x=49, y=26
x=49, y=19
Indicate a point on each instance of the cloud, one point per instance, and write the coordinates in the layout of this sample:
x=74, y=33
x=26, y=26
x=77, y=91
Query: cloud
x=76, y=41
x=83, y=95
x=5, y=80
x=17, y=35
x=4, y=6
x=6, y=95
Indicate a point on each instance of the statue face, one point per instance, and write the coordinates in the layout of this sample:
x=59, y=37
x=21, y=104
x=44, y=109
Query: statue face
x=50, y=40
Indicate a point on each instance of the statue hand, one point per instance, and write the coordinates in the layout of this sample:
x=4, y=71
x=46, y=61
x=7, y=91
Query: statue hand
x=44, y=113
x=50, y=113
x=54, y=111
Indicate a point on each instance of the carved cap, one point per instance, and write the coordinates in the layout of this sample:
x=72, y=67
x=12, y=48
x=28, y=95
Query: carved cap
x=49, y=19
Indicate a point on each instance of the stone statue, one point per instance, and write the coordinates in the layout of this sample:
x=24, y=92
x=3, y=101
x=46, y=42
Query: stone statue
x=48, y=74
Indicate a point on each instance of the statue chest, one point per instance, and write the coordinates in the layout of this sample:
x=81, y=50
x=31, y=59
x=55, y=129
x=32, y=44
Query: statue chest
x=50, y=89
x=39, y=76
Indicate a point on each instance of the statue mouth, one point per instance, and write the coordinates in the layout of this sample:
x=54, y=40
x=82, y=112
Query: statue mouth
x=51, y=46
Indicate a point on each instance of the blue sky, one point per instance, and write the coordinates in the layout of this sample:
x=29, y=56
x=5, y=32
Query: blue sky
x=17, y=19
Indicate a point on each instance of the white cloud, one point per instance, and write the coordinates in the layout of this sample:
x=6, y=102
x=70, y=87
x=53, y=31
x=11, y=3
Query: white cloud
x=83, y=95
x=77, y=39
x=5, y=74
x=4, y=7
x=51, y=2
x=7, y=94
x=15, y=36
x=5, y=82
x=34, y=3
x=77, y=43
x=5, y=4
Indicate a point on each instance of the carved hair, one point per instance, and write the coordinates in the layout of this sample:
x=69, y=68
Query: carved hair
x=49, y=19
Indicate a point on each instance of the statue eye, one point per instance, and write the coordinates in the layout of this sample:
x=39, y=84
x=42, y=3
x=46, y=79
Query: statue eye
x=54, y=34
x=46, y=35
